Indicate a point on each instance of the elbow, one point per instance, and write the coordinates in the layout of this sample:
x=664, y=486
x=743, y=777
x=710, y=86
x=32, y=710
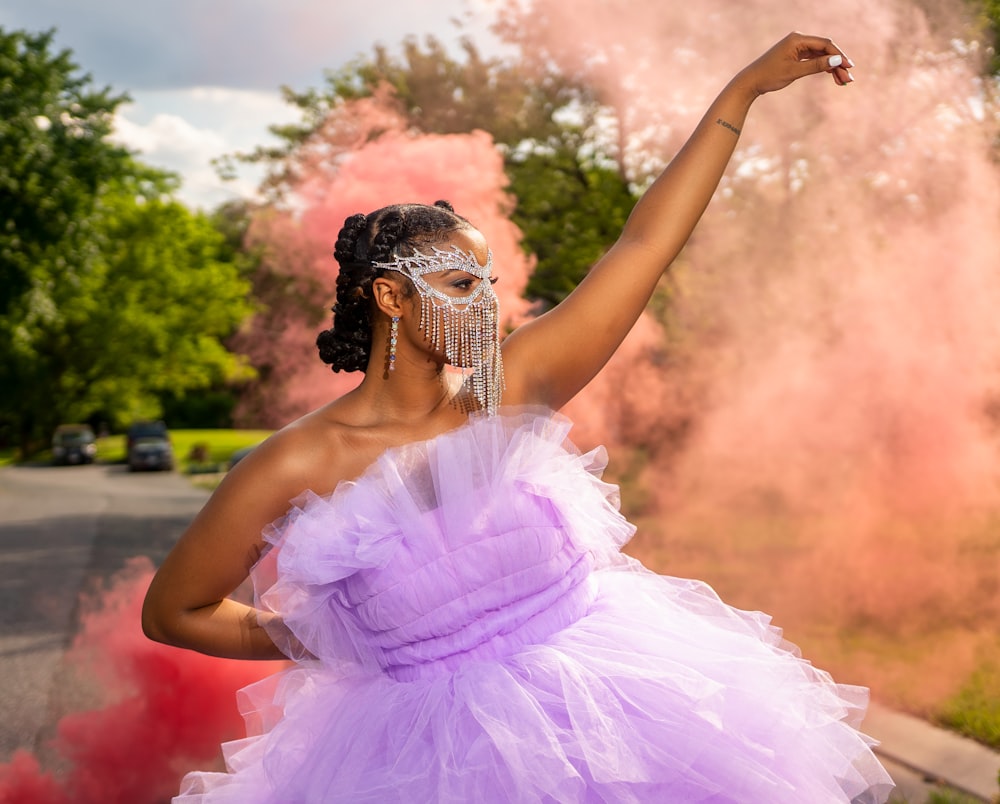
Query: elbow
x=155, y=625
x=152, y=628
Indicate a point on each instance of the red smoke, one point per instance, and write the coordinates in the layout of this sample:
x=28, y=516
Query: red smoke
x=162, y=711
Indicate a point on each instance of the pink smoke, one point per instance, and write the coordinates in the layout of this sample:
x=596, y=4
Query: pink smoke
x=816, y=413
x=162, y=712
x=360, y=160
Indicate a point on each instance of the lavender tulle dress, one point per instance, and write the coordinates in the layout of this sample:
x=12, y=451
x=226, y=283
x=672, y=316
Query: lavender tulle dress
x=466, y=629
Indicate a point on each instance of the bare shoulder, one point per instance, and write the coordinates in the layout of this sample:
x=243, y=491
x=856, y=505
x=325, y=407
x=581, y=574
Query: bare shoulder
x=312, y=453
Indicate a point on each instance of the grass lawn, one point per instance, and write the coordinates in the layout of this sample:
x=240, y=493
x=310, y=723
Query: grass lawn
x=7, y=456
x=975, y=709
x=218, y=445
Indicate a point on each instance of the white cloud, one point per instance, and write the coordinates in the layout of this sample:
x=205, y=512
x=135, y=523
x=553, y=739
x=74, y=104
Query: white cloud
x=184, y=130
x=168, y=137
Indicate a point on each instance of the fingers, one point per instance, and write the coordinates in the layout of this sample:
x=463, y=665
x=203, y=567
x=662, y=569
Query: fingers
x=794, y=57
x=842, y=76
x=839, y=70
x=819, y=54
x=809, y=46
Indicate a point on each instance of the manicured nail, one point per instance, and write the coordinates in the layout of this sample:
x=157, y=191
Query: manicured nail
x=836, y=61
x=850, y=63
x=849, y=76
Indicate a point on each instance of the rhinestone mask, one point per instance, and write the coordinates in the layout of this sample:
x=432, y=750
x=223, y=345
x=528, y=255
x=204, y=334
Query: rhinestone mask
x=465, y=328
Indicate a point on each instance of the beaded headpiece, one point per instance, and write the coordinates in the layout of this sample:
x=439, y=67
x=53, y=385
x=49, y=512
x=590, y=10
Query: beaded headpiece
x=465, y=328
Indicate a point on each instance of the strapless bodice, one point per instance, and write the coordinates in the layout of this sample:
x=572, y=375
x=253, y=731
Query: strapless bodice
x=471, y=545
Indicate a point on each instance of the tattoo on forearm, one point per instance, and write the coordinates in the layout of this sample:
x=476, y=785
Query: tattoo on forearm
x=730, y=126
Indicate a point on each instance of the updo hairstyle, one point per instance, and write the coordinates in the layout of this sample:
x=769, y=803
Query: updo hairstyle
x=397, y=230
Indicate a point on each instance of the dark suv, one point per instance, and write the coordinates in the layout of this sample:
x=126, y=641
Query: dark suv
x=139, y=430
x=73, y=443
x=147, y=446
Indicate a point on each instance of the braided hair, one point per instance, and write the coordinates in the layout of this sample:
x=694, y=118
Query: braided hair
x=397, y=230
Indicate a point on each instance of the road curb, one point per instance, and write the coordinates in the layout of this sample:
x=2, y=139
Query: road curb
x=937, y=754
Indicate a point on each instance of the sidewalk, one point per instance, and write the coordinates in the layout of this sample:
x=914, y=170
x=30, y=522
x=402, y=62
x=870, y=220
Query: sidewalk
x=918, y=753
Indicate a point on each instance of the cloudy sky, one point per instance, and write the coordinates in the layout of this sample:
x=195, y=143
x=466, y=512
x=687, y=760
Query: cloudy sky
x=204, y=75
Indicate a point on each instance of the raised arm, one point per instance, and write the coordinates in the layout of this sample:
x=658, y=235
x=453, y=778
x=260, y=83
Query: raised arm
x=551, y=358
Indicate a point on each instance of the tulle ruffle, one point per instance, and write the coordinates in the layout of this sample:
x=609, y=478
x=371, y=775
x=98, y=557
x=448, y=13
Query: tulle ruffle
x=469, y=630
x=503, y=520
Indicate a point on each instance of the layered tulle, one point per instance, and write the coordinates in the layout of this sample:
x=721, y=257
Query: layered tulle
x=465, y=628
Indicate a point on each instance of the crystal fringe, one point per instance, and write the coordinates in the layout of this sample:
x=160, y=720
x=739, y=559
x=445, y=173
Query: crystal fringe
x=469, y=336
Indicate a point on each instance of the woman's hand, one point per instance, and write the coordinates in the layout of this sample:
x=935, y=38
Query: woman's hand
x=794, y=57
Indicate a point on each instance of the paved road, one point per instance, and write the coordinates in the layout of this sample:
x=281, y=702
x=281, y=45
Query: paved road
x=63, y=530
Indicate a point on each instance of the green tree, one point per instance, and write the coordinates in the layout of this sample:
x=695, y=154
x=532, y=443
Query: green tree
x=991, y=10
x=570, y=210
x=111, y=292
x=54, y=156
x=171, y=291
x=440, y=94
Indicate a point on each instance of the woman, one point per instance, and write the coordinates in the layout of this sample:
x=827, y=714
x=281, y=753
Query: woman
x=450, y=583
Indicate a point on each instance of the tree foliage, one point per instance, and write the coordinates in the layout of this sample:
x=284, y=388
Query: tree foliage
x=111, y=292
x=54, y=156
x=569, y=210
x=569, y=204
x=991, y=11
x=441, y=94
x=169, y=293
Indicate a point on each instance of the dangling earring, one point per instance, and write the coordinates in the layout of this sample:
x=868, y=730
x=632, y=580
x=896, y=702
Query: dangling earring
x=393, y=335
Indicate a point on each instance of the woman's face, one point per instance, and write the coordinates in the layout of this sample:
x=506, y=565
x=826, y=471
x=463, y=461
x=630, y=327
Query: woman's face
x=455, y=311
x=456, y=283
x=455, y=307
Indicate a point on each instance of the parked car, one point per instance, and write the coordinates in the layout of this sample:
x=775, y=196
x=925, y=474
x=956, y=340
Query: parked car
x=73, y=444
x=144, y=429
x=150, y=452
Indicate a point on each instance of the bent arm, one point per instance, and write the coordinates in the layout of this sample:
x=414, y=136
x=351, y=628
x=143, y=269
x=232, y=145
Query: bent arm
x=227, y=629
x=187, y=603
x=551, y=358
